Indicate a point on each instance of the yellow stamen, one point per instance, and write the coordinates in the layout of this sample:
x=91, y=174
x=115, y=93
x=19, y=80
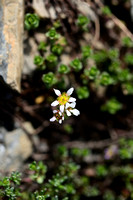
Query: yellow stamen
x=63, y=98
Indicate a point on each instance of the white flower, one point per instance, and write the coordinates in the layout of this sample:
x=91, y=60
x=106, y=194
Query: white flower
x=70, y=91
x=55, y=103
x=58, y=116
x=75, y=112
x=72, y=105
x=63, y=98
x=57, y=92
x=62, y=108
x=70, y=108
x=52, y=119
x=65, y=104
x=71, y=99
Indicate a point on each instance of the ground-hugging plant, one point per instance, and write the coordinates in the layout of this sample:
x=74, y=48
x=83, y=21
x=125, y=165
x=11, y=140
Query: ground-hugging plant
x=66, y=181
x=106, y=71
x=9, y=186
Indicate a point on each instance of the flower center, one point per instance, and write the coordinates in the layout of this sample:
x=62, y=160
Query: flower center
x=63, y=98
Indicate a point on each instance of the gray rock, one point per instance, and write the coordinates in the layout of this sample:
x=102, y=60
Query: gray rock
x=42, y=11
x=11, y=48
x=15, y=149
x=4, y=47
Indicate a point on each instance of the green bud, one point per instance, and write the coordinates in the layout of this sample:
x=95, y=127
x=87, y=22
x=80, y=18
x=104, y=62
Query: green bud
x=63, y=69
x=42, y=46
x=82, y=92
x=31, y=21
x=92, y=73
x=76, y=64
x=49, y=79
x=105, y=79
x=51, y=60
x=57, y=49
x=86, y=51
x=112, y=106
x=52, y=34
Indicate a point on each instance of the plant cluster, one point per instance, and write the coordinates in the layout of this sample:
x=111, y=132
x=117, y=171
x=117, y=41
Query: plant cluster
x=68, y=182
x=9, y=186
x=102, y=73
x=107, y=70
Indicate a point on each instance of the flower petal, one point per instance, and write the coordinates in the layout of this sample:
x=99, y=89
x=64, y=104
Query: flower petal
x=55, y=111
x=62, y=108
x=55, y=103
x=68, y=113
x=70, y=91
x=75, y=112
x=73, y=104
x=63, y=118
x=57, y=92
x=52, y=119
x=71, y=99
x=67, y=105
x=60, y=121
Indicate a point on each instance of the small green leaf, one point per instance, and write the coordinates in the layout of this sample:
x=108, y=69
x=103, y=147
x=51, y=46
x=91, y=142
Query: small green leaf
x=82, y=92
x=31, y=21
x=52, y=34
x=76, y=65
x=112, y=106
x=63, y=69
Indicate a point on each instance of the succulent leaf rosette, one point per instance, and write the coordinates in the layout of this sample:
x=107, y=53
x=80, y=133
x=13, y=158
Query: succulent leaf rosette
x=31, y=21
x=52, y=34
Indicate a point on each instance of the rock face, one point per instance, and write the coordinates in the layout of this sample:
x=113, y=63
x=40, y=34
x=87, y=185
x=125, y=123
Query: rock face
x=40, y=8
x=15, y=147
x=11, y=40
